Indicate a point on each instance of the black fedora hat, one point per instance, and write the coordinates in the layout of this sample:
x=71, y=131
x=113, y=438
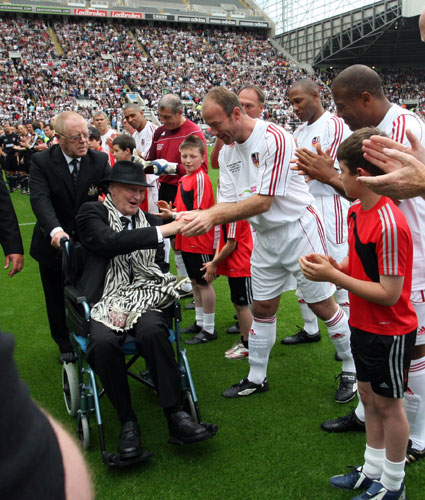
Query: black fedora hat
x=128, y=172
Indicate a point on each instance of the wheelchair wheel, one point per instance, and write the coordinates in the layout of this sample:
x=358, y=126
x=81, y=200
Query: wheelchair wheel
x=71, y=390
x=83, y=431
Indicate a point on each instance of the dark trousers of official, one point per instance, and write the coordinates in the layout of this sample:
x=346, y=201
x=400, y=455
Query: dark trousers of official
x=107, y=359
x=52, y=281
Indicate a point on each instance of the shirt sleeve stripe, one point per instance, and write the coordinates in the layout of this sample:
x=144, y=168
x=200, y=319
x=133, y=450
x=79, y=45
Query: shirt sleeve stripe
x=337, y=137
x=389, y=241
x=278, y=159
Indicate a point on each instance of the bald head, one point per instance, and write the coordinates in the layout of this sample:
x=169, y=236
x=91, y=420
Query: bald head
x=305, y=99
x=306, y=85
x=62, y=120
x=357, y=79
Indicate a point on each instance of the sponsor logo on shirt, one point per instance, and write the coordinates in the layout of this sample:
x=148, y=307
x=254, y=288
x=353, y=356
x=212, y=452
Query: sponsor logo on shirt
x=421, y=331
x=159, y=147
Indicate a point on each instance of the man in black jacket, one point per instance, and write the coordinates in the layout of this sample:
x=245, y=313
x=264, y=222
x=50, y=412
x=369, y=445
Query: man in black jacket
x=61, y=179
x=10, y=236
x=123, y=280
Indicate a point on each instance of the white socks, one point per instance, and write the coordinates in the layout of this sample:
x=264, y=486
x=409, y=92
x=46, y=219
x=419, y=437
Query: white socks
x=262, y=337
x=199, y=316
x=311, y=325
x=393, y=474
x=377, y=466
x=373, y=462
x=414, y=403
x=208, y=322
x=339, y=333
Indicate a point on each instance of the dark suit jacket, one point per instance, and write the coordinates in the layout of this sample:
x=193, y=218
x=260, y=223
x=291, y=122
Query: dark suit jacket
x=53, y=199
x=102, y=244
x=10, y=236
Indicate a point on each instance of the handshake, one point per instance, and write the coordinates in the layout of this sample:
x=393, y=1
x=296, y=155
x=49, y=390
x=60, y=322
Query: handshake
x=157, y=167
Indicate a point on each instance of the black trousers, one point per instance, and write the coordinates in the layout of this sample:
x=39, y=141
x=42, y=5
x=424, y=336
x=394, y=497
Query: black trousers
x=107, y=360
x=52, y=281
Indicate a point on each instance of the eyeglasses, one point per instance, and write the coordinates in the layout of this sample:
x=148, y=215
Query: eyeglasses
x=76, y=138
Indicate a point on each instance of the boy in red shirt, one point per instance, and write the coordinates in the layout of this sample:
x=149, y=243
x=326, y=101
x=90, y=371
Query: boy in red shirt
x=233, y=259
x=195, y=192
x=377, y=273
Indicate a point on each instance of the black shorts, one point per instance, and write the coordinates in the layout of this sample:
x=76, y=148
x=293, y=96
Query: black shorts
x=240, y=290
x=167, y=192
x=193, y=263
x=383, y=360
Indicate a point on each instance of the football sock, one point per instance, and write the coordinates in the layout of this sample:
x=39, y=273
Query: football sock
x=414, y=403
x=262, y=337
x=393, y=474
x=339, y=333
x=244, y=342
x=208, y=325
x=199, y=316
x=343, y=301
x=373, y=462
x=311, y=326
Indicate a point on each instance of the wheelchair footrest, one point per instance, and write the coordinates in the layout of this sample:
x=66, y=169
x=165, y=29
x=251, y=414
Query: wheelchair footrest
x=210, y=432
x=115, y=460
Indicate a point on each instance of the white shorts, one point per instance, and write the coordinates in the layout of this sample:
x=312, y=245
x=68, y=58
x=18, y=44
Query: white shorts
x=275, y=258
x=418, y=301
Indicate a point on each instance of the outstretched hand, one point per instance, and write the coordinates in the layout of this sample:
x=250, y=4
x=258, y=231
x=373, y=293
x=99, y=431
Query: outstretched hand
x=404, y=167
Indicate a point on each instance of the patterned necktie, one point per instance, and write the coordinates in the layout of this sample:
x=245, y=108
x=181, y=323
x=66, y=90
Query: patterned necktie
x=74, y=173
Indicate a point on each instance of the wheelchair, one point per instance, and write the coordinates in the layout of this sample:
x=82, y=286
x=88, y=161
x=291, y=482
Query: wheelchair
x=80, y=388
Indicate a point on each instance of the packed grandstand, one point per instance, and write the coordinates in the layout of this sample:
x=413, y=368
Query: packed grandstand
x=50, y=64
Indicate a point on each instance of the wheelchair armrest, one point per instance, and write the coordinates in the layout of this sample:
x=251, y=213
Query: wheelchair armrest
x=75, y=295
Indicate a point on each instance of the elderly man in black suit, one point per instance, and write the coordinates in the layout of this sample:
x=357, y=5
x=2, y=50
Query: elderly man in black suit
x=61, y=179
x=124, y=280
x=10, y=236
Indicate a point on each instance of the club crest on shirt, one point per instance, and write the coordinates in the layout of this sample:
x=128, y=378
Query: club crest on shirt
x=93, y=190
x=315, y=140
x=255, y=157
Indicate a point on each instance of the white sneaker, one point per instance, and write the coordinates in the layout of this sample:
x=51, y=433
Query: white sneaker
x=237, y=351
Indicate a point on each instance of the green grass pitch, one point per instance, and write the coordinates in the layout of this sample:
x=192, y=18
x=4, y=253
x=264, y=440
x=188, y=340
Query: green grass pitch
x=268, y=447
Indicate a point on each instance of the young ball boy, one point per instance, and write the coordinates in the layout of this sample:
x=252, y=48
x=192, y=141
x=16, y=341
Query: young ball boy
x=195, y=192
x=378, y=274
x=233, y=259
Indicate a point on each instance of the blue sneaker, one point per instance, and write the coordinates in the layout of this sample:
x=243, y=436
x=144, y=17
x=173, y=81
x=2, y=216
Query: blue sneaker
x=378, y=492
x=352, y=480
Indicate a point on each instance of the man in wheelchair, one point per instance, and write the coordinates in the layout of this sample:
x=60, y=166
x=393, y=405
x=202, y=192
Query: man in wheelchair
x=123, y=280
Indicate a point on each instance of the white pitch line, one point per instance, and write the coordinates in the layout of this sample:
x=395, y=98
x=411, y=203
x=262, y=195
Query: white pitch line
x=27, y=224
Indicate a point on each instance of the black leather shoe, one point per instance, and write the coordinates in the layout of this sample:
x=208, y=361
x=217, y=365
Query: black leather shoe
x=301, y=337
x=184, y=430
x=193, y=328
x=202, y=338
x=347, y=423
x=234, y=329
x=129, y=445
x=190, y=306
x=67, y=357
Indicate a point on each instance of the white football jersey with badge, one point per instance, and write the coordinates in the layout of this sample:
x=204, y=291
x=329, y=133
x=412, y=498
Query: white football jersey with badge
x=329, y=131
x=395, y=123
x=261, y=165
